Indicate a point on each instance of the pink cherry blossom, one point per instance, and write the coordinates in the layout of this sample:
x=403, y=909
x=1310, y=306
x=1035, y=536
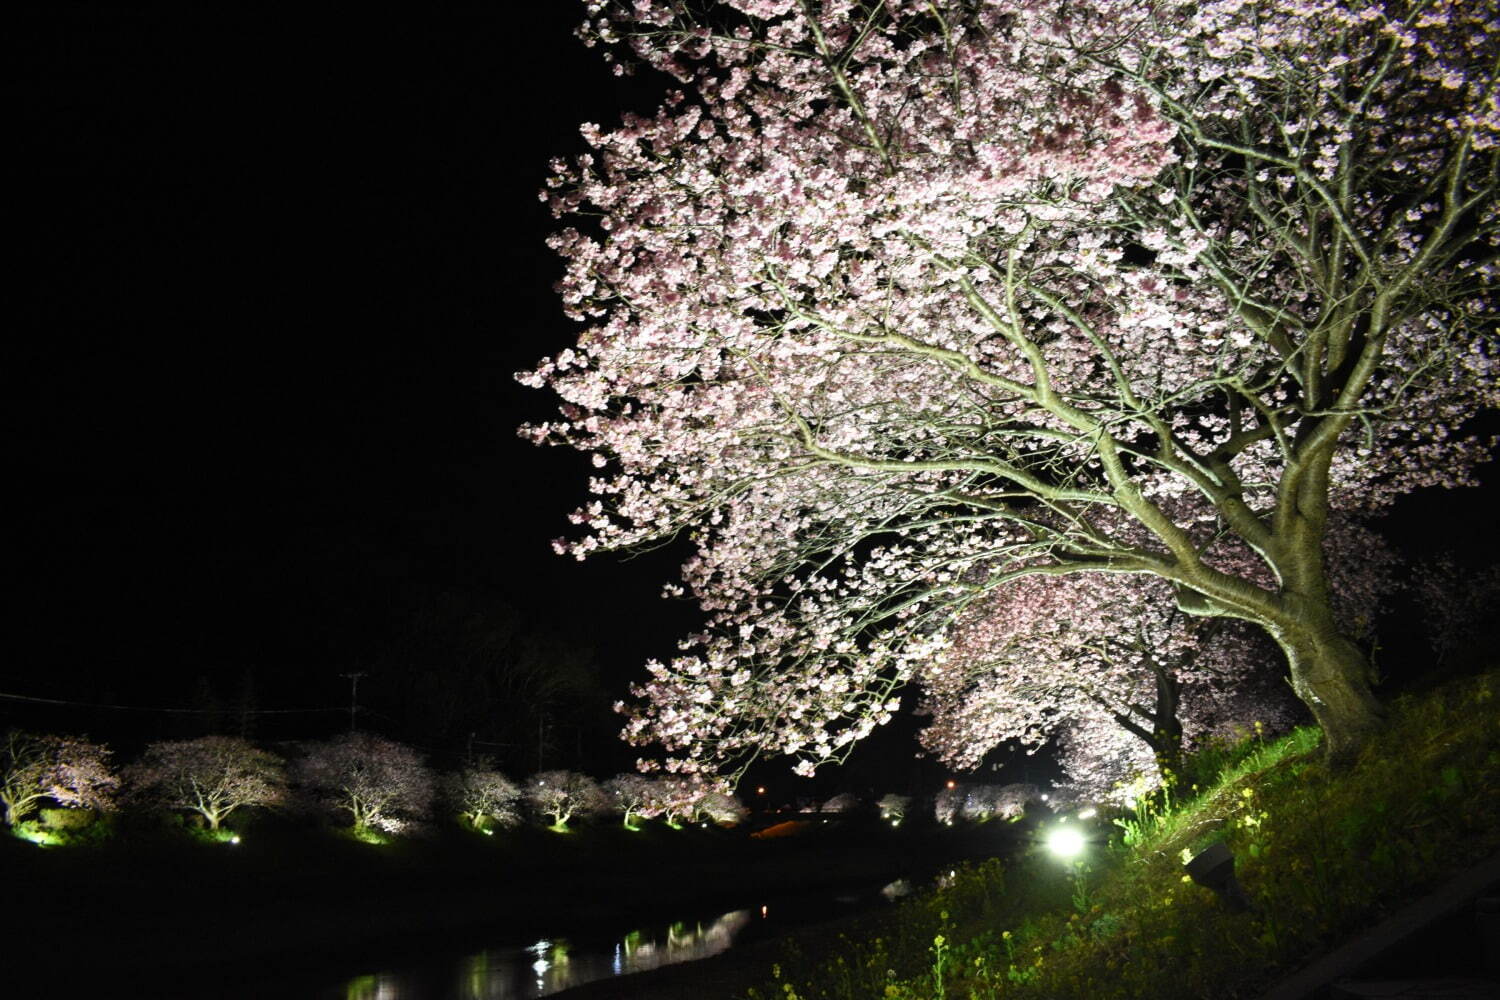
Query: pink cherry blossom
x=895, y=304
x=211, y=776
x=562, y=795
x=35, y=767
x=483, y=796
x=380, y=784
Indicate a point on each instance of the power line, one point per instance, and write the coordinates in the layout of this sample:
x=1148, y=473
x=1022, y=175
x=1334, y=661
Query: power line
x=179, y=711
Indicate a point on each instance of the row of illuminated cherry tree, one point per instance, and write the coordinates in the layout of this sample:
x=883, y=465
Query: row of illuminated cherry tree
x=380, y=787
x=375, y=785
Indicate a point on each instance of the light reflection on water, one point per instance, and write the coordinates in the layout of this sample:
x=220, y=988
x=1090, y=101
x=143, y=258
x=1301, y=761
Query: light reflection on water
x=555, y=964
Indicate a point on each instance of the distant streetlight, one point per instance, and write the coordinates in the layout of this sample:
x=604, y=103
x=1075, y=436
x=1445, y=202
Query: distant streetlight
x=952, y=783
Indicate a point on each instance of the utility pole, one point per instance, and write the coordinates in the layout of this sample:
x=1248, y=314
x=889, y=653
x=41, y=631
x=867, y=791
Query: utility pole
x=353, y=698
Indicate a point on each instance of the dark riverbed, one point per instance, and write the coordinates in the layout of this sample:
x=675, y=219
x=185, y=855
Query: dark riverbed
x=516, y=970
x=444, y=916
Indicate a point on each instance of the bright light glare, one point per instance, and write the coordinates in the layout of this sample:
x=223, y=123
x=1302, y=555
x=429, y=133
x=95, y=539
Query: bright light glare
x=1065, y=842
x=1088, y=813
x=235, y=839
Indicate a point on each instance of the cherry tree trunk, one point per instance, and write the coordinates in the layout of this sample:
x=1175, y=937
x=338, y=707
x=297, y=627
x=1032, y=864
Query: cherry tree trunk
x=1166, y=745
x=1166, y=731
x=1332, y=677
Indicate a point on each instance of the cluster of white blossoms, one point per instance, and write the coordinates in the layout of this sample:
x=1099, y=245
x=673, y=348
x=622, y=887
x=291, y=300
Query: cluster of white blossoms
x=896, y=302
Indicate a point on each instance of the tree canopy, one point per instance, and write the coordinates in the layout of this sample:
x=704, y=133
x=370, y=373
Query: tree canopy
x=71, y=771
x=896, y=303
x=211, y=776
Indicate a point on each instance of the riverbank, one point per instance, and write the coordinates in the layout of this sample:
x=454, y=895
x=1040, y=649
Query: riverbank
x=1323, y=855
x=145, y=911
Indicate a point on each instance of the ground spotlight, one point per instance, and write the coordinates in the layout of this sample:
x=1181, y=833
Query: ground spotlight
x=1213, y=868
x=1067, y=842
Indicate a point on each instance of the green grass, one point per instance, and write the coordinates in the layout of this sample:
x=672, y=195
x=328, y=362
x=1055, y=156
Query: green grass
x=1323, y=854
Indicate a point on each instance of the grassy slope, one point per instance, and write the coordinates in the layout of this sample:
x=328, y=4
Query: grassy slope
x=1323, y=856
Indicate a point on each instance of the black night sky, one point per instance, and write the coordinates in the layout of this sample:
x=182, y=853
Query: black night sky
x=278, y=270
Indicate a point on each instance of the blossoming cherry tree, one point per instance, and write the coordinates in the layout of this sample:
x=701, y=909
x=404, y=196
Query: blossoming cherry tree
x=894, y=303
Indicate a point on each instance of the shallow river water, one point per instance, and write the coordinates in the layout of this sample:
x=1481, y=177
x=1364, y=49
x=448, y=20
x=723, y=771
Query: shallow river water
x=525, y=970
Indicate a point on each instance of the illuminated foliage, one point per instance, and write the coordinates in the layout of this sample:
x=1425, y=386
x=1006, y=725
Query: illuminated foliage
x=211, y=776
x=719, y=807
x=842, y=803
x=381, y=785
x=482, y=795
x=897, y=303
x=633, y=796
x=35, y=768
x=1009, y=802
x=563, y=795
x=946, y=805
x=893, y=807
x=678, y=795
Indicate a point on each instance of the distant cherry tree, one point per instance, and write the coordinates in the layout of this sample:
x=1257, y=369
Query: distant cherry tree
x=893, y=807
x=382, y=785
x=1008, y=802
x=719, y=807
x=842, y=803
x=562, y=795
x=633, y=796
x=483, y=795
x=948, y=804
x=35, y=767
x=211, y=776
x=1457, y=605
x=898, y=302
x=678, y=795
